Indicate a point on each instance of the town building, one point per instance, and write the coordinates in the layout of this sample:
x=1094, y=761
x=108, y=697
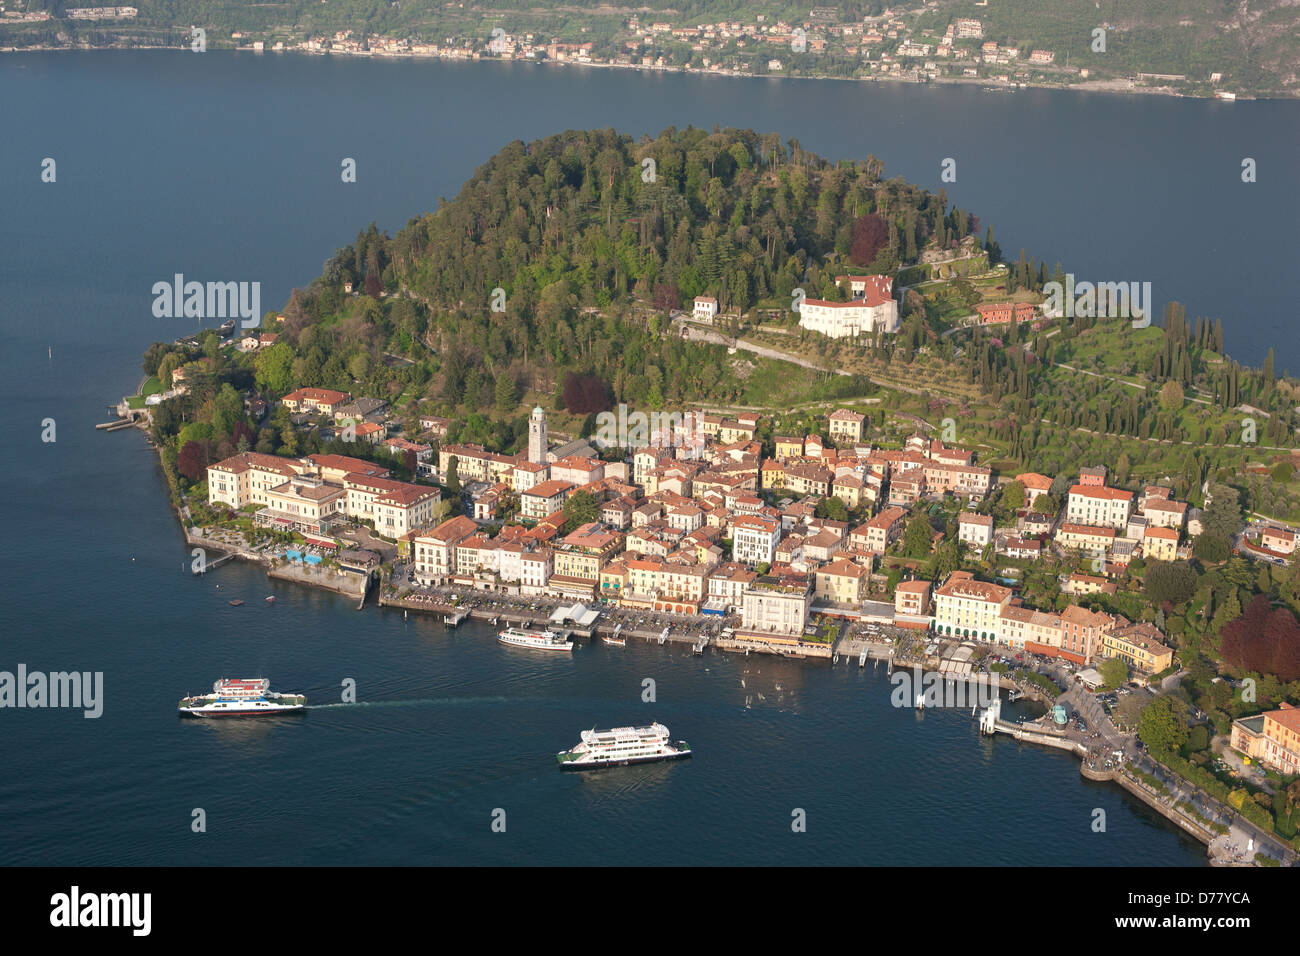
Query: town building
x=1099, y=505
x=912, y=598
x=964, y=607
x=974, y=529
x=1272, y=738
x=846, y=426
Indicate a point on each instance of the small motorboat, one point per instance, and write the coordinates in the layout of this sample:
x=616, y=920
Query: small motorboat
x=270, y=599
x=237, y=602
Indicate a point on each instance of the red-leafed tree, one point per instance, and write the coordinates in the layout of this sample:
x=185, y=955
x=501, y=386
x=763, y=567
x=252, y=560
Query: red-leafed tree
x=870, y=234
x=667, y=297
x=243, y=432
x=193, y=460
x=584, y=394
x=1264, y=639
x=373, y=285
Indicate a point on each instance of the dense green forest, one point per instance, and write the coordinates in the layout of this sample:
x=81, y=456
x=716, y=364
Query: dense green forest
x=592, y=239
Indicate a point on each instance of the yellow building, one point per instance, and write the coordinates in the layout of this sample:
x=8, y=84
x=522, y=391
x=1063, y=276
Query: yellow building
x=841, y=582
x=1138, y=645
x=1272, y=738
x=246, y=479
x=1160, y=543
x=302, y=504
x=964, y=607
x=1090, y=539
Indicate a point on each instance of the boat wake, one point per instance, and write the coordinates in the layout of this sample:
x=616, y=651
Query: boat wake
x=421, y=702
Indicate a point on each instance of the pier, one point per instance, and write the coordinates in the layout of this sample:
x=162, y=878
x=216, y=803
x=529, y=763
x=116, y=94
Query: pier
x=454, y=618
x=228, y=556
x=116, y=425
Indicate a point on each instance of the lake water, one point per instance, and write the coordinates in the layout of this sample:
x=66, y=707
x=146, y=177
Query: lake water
x=226, y=167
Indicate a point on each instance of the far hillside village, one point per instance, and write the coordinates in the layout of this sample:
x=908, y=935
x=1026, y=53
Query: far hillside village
x=998, y=48
x=847, y=531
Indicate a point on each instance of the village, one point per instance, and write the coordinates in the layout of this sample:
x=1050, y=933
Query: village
x=890, y=46
x=697, y=537
x=699, y=522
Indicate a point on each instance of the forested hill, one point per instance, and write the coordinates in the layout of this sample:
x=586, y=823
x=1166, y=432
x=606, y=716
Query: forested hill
x=593, y=238
x=605, y=218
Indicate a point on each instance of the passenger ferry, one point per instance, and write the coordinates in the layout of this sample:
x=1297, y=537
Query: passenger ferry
x=541, y=640
x=241, y=698
x=623, y=745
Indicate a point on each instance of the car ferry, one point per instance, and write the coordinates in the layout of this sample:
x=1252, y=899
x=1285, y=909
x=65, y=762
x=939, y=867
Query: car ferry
x=241, y=698
x=539, y=640
x=621, y=746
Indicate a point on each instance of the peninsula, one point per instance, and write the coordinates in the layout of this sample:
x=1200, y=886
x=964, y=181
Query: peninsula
x=719, y=388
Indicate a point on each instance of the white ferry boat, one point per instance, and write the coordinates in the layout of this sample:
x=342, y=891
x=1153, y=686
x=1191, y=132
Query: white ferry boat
x=540, y=640
x=623, y=745
x=241, y=698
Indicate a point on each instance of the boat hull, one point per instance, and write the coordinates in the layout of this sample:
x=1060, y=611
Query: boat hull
x=259, y=712
x=535, y=647
x=624, y=762
x=200, y=707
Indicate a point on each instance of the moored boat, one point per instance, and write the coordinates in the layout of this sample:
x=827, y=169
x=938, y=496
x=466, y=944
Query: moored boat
x=539, y=640
x=237, y=602
x=620, y=746
x=241, y=698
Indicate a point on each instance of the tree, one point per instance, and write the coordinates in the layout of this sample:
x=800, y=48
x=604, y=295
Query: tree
x=1113, y=671
x=452, y=479
x=274, y=368
x=1171, y=396
x=584, y=394
x=1163, y=725
x=192, y=462
x=1172, y=581
x=582, y=508
x=194, y=432
x=169, y=364
x=1044, y=505
x=948, y=559
x=916, y=539
x=832, y=508
x=154, y=355
x=1263, y=640
x=1223, y=514
x=506, y=393
x=1212, y=548
x=870, y=235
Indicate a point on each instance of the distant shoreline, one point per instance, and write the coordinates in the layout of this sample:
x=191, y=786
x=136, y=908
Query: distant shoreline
x=1114, y=86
